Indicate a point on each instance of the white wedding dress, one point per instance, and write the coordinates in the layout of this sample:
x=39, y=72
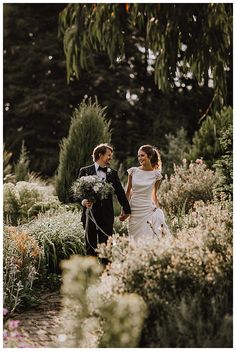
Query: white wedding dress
x=146, y=221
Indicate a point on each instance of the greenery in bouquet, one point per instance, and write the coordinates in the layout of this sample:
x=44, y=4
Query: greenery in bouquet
x=91, y=188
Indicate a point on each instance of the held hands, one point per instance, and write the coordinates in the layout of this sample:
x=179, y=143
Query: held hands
x=87, y=203
x=123, y=216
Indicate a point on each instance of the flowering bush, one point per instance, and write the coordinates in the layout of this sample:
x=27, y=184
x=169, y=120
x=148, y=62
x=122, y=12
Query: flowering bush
x=59, y=233
x=21, y=260
x=195, y=265
x=92, y=188
x=188, y=184
x=120, y=227
x=92, y=312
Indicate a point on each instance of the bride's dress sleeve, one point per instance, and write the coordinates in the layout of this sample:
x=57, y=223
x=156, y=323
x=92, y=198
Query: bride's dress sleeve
x=130, y=171
x=158, y=175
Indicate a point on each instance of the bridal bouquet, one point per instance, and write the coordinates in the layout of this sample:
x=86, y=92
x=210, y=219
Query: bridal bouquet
x=91, y=188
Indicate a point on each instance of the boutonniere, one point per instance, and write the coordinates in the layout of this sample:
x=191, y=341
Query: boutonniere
x=109, y=170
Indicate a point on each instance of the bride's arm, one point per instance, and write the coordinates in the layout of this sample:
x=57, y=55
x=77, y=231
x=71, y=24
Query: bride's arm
x=129, y=187
x=154, y=193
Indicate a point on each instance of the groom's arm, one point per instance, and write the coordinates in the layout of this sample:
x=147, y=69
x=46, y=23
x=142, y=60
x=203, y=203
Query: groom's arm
x=120, y=193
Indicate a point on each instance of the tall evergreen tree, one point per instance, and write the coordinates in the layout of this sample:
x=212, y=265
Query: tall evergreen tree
x=88, y=128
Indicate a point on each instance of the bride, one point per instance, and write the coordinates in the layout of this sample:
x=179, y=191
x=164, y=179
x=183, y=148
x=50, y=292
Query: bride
x=147, y=219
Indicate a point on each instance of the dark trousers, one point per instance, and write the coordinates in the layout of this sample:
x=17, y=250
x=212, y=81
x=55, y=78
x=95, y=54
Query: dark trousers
x=94, y=236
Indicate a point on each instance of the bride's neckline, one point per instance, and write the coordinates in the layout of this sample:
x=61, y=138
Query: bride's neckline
x=144, y=170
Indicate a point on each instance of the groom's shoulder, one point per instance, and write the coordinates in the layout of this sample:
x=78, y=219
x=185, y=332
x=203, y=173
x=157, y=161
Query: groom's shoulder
x=86, y=169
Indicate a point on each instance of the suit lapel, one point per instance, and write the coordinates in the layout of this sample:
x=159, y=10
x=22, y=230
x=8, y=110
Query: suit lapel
x=93, y=170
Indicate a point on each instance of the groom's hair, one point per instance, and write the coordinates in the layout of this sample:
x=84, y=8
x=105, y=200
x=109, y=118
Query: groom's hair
x=100, y=149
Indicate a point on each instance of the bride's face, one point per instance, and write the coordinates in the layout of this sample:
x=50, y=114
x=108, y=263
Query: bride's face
x=143, y=159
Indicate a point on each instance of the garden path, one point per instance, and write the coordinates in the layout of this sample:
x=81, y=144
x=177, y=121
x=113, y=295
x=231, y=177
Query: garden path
x=42, y=323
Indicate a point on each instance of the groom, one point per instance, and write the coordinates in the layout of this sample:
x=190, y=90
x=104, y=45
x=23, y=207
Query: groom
x=102, y=209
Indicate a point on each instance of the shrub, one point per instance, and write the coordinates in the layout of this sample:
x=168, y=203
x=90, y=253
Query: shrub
x=125, y=313
x=88, y=128
x=188, y=325
x=21, y=168
x=120, y=227
x=96, y=320
x=21, y=261
x=206, y=143
x=60, y=234
x=42, y=207
x=179, y=275
x=177, y=149
x=224, y=164
x=187, y=185
x=19, y=199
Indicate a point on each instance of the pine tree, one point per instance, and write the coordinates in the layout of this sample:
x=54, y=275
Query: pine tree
x=88, y=128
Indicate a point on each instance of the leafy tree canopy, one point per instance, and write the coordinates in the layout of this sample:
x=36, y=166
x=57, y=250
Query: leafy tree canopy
x=193, y=39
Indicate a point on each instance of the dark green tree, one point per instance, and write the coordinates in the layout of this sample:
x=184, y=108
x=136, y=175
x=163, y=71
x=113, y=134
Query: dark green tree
x=38, y=101
x=88, y=128
x=177, y=149
x=225, y=163
x=206, y=141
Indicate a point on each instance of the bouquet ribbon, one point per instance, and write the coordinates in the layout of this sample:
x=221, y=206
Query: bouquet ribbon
x=90, y=216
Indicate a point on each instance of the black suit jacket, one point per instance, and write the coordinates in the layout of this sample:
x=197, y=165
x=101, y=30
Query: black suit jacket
x=103, y=210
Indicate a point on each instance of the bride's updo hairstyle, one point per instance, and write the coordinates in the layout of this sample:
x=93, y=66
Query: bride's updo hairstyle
x=153, y=154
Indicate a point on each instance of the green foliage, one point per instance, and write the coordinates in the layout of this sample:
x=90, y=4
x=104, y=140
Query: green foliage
x=188, y=325
x=177, y=148
x=19, y=198
x=38, y=103
x=59, y=233
x=21, y=168
x=188, y=33
x=184, y=279
x=188, y=184
x=88, y=128
x=21, y=261
x=224, y=164
x=206, y=141
x=42, y=207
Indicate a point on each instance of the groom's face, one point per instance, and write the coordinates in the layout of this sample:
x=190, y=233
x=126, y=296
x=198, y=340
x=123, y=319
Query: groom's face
x=105, y=159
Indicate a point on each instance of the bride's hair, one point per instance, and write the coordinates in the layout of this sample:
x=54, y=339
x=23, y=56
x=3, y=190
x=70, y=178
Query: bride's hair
x=153, y=154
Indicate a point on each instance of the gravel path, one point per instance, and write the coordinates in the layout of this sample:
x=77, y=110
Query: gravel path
x=43, y=323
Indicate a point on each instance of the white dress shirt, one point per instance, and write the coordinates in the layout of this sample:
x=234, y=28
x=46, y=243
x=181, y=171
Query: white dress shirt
x=102, y=175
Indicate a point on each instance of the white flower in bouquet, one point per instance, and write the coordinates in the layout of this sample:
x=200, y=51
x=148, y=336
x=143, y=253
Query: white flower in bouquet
x=91, y=188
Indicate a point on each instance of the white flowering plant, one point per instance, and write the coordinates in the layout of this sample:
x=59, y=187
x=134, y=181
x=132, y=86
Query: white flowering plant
x=91, y=188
